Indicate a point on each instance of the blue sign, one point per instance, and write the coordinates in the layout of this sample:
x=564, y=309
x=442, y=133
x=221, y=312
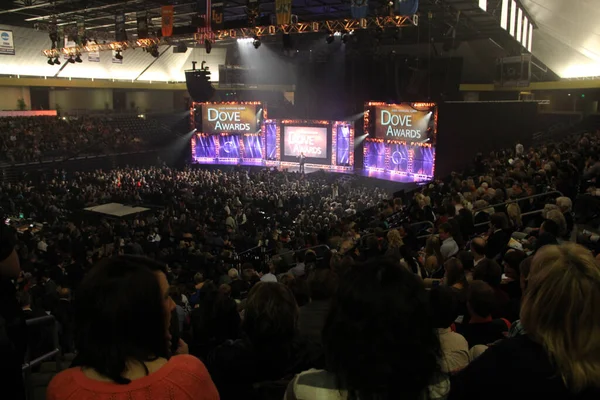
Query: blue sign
x=7, y=45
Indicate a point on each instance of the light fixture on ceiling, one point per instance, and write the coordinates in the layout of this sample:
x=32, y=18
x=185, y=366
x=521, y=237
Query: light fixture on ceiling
x=330, y=38
x=256, y=41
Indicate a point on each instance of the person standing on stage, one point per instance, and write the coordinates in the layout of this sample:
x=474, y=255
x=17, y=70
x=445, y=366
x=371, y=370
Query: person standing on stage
x=302, y=158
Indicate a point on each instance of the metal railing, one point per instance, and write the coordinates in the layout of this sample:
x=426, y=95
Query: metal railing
x=541, y=210
x=361, y=241
x=518, y=200
x=305, y=250
x=56, y=352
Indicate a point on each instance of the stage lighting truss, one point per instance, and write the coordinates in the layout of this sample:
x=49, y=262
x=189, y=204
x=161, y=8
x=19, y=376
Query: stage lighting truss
x=338, y=25
x=146, y=44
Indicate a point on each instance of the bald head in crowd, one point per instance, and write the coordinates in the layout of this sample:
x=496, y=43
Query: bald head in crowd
x=478, y=249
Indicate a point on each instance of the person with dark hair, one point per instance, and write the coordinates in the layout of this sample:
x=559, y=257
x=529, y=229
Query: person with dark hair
x=322, y=284
x=482, y=328
x=512, y=284
x=271, y=348
x=449, y=247
x=548, y=234
x=122, y=316
x=214, y=321
x=498, y=236
x=490, y=272
x=379, y=338
x=444, y=307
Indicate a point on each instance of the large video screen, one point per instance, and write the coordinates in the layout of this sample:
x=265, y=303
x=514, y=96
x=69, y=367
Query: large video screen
x=310, y=140
x=402, y=122
x=226, y=118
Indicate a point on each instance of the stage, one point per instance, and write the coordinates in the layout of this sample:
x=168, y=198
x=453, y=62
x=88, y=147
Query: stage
x=397, y=177
x=398, y=141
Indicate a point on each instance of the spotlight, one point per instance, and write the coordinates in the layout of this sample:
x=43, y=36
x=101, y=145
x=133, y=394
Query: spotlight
x=56, y=61
x=50, y=61
x=330, y=38
x=71, y=60
x=119, y=56
x=78, y=58
x=256, y=42
x=207, y=46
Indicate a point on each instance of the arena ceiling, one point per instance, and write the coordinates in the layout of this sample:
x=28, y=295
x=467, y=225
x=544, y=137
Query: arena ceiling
x=567, y=38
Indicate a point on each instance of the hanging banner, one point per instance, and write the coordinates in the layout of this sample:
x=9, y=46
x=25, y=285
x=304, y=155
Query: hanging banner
x=216, y=16
x=406, y=7
x=359, y=8
x=283, y=9
x=7, y=43
x=142, y=25
x=116, y=60
x=120, y=33
x=94, y=55
x=166, y=13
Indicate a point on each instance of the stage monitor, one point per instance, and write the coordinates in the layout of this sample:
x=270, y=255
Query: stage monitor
x=310, y=140
x=230, y=118
x=408, y=122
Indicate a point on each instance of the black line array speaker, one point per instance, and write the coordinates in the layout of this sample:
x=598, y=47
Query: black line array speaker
x=198, y=85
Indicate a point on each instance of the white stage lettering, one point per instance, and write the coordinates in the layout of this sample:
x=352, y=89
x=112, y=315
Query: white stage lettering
x=227, y=121
x=397, y=124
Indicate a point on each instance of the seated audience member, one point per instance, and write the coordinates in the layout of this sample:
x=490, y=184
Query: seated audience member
x=300, y=268
x=122, y=313
x=433, y=259
x=468, y=263
x=268, y=272
x=516, y=328
x=449, y=247
x=482, y=328
x=511, y=282
x=490, y=272
x=394, y=244
x=371, y=351
x=558, y=358
x=565, y=205
x=548, y=234
x=478, y=249
x=455, y=349
x=322, y=284
x=456, y=280
x=214, y=321
x=498, y=236
x=64, y=315
x=271, y=348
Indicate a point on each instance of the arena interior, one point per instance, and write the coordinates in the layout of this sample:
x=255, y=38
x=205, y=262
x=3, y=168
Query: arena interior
x=299, y=199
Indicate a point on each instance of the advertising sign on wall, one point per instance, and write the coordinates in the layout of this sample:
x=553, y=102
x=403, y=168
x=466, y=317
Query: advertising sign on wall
x=310, y=140
x=237, y=118
x=401, y=122
x=7, y=44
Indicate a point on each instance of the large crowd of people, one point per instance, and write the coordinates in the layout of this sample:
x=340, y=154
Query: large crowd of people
x=34, y=139
x=269, y=284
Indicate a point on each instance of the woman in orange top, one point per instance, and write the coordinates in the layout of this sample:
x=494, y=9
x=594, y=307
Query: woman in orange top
x=122, y=316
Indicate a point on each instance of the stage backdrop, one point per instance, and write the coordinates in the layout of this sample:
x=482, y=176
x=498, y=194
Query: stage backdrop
x=313, y=138
x=310, y=140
